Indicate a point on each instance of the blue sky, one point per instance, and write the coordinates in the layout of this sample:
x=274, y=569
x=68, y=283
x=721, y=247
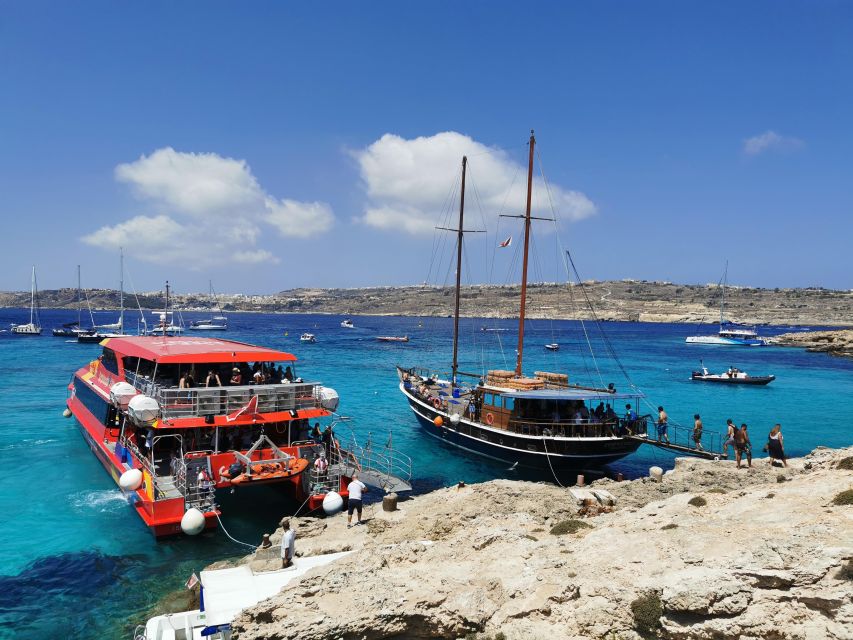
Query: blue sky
x=271, y=145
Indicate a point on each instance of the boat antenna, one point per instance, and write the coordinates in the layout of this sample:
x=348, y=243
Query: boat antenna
x=460, y=234
x=520, y=351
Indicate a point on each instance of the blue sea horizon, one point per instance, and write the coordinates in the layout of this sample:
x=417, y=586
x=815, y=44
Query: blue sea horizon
x=76, y=558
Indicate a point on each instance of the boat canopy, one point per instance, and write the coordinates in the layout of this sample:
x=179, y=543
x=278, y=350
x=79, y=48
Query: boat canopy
x=187, y=350
x=569, y=394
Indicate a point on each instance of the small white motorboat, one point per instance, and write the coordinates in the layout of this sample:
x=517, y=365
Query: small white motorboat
x=552, y=347
x=308, y=337
x=392, y=338
x=347, y=324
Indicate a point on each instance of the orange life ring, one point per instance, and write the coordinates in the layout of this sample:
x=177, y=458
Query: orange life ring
x=436, y=402
x=490, y=419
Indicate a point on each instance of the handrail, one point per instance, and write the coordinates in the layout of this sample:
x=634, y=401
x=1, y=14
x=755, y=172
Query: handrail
x=199, y=401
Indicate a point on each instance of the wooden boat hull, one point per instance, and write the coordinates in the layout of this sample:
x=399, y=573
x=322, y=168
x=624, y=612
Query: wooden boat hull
x=540, y=454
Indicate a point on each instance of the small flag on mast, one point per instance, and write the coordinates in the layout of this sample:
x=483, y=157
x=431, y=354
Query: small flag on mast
x=505, y=243
x=192, y=581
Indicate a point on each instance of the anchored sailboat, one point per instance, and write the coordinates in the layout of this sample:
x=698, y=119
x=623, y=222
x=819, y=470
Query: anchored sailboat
x=33, y=327
x=116, y=329
x=540, y=422
x=216, y=323
x=730, y=333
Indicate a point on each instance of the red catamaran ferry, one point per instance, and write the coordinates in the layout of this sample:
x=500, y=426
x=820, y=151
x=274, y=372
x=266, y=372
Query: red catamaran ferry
x=172, y=419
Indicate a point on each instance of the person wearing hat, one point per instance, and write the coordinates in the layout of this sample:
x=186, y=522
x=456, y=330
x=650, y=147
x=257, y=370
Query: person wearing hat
x=236, y=376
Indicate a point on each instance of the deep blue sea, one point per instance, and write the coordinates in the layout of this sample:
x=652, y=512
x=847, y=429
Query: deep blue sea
x=75, y=561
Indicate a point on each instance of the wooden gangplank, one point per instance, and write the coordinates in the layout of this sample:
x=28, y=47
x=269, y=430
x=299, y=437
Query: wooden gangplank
x=678, y=448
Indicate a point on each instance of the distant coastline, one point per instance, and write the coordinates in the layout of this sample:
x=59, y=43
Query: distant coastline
x=622, y=300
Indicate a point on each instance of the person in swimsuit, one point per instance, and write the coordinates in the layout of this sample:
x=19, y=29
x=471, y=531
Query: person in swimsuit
x=697, y=432
x=743, y=446
x=663, y=421
x=730, y=437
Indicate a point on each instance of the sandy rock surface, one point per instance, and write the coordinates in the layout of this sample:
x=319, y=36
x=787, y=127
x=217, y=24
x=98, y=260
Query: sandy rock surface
x=764, y=557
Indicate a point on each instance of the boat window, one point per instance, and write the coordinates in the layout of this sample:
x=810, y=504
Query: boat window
x=509, y=404
x=109, y=361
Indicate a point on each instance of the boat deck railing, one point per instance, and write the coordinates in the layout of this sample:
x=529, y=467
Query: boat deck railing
x=578, y=428
x=380, y=464
x=203, y=401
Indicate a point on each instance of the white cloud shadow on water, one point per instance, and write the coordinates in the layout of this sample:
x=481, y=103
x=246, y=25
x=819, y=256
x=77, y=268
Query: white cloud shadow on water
x=208, y=208
x=407, y=182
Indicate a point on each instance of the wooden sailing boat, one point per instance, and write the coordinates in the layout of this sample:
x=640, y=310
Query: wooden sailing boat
x=33, y=327
x=540, y=422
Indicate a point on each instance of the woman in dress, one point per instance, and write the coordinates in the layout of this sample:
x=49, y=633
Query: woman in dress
x=774, y=446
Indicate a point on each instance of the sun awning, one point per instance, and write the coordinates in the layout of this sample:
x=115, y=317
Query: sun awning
x=569, y=394
x=189, y=350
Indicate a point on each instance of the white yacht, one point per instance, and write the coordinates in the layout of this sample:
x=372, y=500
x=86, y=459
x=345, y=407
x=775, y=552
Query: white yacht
x=33, y=327
x=347, y=324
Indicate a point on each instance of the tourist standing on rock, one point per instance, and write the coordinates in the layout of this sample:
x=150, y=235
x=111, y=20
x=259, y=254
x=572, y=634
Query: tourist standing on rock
x=743, y=446
x=663, y=421
x=288, y=544
x=697, y=432
x=774, y=446
x=730, y=437
x=355, y=488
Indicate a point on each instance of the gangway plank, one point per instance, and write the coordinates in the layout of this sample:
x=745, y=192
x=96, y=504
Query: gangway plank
x=678, y=448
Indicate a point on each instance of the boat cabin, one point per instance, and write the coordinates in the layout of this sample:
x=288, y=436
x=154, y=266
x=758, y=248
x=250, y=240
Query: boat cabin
x=200, y=384
x=571, y=412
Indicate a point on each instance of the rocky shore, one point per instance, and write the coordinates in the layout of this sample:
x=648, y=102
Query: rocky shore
x=836, y=343
x=709, y=552
x=622, y=301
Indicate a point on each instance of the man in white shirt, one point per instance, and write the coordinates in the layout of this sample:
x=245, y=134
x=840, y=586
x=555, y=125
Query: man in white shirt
x=355, y=488
x=288, y=544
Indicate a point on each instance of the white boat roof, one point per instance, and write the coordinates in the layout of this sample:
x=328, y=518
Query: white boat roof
x=229, y=591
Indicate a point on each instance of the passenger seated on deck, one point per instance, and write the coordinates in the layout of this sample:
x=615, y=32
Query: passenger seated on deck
x=288, y=374
x=212, y=379
x=599, y=411
x=258, y=377
x=236, y=376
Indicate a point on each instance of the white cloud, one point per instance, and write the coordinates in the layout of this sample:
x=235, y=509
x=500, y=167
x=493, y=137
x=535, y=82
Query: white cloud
x=210, y=209
x=407, y=182
x=299, y=219
x=770, y=141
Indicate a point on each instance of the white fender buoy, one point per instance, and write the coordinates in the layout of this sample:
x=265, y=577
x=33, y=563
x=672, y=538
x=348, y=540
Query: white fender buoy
x=193, y=522
x=454, y=418
x=66, y=413
x=130, y=480
x=332, y=503
x=656, y=473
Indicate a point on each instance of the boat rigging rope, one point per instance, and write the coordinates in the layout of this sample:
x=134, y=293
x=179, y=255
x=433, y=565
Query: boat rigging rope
x=568, y=273
x=233, y=539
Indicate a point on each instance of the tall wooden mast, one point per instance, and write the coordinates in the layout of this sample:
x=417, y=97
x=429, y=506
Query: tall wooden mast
x=520, y=350
x=460, y=234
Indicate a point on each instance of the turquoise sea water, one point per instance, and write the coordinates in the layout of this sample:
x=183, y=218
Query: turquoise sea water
x=77, y=562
